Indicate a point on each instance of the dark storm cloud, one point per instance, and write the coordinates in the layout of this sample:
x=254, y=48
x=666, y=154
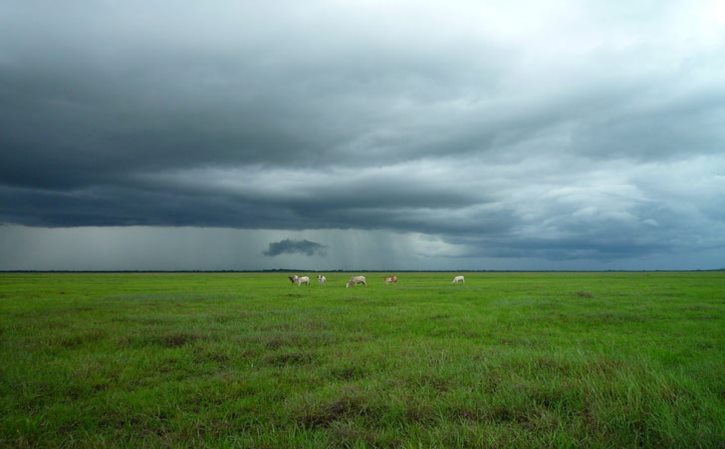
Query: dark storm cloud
x=590, y=131
x=288, y=246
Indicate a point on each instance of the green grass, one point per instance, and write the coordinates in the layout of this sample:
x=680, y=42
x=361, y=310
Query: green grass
x=508, y=360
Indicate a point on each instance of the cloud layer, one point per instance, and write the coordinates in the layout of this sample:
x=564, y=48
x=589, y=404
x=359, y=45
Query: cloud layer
x=552, y=131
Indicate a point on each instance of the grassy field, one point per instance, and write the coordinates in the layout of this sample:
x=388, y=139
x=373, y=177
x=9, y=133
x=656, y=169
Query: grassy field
x=508, y=360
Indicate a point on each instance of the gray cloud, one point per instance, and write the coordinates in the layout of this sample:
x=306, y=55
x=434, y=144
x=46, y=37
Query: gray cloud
x=590, y=132
x=288, y=246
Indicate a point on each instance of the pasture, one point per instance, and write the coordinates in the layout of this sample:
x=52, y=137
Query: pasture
x=244, y=360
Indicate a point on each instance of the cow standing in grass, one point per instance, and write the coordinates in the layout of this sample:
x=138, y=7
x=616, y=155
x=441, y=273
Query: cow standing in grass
x=355, y=280
x=459, y=280
x=321, y=279
x=391, y=280
x=299, y=280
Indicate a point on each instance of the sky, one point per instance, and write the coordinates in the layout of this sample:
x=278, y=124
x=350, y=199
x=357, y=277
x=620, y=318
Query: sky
x=367, y=134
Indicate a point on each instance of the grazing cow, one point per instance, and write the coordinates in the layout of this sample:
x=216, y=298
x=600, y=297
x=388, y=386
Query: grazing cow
x=321, y=279
x=391, y=279
x=356, y=280
x=299, y=280
x=303, y=280
x=459, y=280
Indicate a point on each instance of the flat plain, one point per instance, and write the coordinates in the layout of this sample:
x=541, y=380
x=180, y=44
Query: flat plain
x=248, y=360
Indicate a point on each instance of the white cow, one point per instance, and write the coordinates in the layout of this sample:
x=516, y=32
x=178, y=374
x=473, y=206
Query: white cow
x=303, y=280
x=356, y=280
x=391, y=279
x=321, y=279
x=299, y=280
x=459, y=280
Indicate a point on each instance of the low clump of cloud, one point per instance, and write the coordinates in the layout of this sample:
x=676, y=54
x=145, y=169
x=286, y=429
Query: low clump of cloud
x=288, y=246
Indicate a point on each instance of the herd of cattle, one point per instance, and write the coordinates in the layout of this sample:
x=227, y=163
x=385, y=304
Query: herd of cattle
x=357, y=280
